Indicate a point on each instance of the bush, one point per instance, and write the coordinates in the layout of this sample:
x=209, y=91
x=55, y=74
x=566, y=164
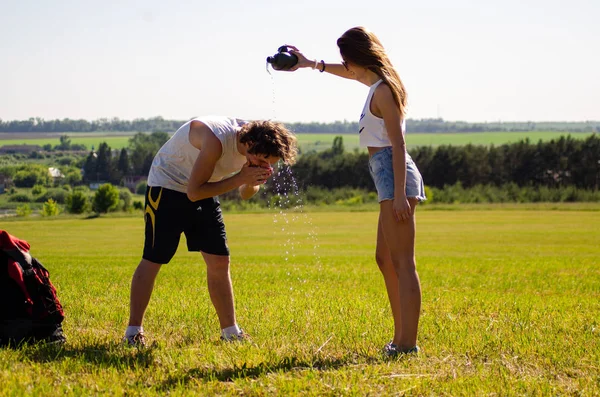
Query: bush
x=82, y=188
x=66, y=161
x=31, y=175
x=141, y=188
x=356, y=200
x=106, y=199
x=511, y=193
x=20, y=198
x=57, y=194
x=72, y=176
x=138, y=205
x=77, y=202
x=429, y=194
x=38, y=189
x=24, y=210
x=50, y=208
x=125, y=200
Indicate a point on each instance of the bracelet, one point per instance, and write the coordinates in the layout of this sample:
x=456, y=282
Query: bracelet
x=323, y=63
x=316, y=63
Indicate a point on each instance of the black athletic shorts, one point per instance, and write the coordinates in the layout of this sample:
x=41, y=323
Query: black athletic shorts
x=168, y=213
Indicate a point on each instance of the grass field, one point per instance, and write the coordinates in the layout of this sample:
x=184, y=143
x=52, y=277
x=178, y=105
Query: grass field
x=309, y=141
x=324, y=141
x=510, y=307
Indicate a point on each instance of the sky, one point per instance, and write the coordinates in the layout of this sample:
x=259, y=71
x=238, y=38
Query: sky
x=467, y=60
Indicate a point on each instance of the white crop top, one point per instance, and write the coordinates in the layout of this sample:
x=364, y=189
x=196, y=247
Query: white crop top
x=371, y=128
x=172, y=165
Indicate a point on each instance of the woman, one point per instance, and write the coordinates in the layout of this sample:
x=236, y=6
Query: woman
x=397, y=179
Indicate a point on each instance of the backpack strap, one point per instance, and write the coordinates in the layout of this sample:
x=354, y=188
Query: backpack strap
x=23, y=259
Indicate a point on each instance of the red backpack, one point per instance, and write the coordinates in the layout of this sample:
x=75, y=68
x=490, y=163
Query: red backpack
x=29, y=307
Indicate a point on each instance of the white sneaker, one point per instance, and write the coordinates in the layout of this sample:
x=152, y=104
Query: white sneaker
x=137, y=340
x=240, y=337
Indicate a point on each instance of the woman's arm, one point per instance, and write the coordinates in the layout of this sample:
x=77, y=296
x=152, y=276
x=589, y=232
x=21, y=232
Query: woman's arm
x=384, y=102
x=210, y=151
x=336, y=69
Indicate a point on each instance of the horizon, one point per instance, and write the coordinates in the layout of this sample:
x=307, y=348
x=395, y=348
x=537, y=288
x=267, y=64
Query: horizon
x=314, y=121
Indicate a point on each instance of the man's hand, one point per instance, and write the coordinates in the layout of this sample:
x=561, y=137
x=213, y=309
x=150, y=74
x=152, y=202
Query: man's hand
x=254, y=175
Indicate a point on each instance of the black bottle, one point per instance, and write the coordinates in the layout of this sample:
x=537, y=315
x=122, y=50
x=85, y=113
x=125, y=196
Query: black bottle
x=283, y=60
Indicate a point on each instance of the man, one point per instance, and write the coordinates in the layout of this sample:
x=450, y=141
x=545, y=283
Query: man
x=206, y=157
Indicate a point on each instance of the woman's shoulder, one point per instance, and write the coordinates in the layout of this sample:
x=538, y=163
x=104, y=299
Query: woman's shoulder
x=383, y=92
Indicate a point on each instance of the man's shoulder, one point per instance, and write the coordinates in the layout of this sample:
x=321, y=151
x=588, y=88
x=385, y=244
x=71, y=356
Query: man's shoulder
x=202, y=136
x=218, y=122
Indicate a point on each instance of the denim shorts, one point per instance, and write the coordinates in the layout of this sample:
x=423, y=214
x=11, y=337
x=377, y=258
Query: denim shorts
x=382, y=172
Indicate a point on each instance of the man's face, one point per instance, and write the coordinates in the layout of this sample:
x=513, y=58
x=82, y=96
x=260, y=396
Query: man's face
x=261, y=160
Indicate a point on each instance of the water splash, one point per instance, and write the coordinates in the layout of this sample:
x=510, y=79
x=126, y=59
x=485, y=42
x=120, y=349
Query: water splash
x=273, y=107
x=288, y=209
x=289, y=214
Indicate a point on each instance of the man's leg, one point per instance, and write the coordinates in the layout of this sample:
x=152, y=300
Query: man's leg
x=142, y=285
x=220, y=289
x=162, y=232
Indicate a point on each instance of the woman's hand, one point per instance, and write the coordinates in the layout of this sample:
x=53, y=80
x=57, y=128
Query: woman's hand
x=253, y=175
x=402, y=209
x=303, y=62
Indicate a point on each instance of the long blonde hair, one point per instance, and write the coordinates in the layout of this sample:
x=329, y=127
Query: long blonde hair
x=361, y=47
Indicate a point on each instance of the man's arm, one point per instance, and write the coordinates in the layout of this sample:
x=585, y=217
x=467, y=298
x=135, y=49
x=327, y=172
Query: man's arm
x=211, y=149
x=248, y=191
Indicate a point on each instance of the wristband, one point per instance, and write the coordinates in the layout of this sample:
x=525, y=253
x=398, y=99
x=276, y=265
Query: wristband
x=315, y=66
x=323, y=63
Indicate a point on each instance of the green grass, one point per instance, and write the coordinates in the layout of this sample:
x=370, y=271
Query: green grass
x=115, y=142
x=324, y=141
x=310, y=141
x=510, y=307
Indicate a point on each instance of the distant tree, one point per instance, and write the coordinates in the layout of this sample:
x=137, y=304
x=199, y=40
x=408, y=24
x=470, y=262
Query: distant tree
x=106, y=198
x=90, y=166
x=104, y=164
x=50, y=208
x=38, y=190
x=24, y=210
x=65, y=143
x=140, y=188
x=338, y=145
x=143, y=148
x=30, y=175
x=123, y=163
x=125, y=200
x=77, y=202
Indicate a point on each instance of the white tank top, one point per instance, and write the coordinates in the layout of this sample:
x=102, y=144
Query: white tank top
x=371, y=128
x=172, y=165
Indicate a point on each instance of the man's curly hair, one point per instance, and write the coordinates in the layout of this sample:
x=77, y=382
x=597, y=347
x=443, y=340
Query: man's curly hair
x=270, y=138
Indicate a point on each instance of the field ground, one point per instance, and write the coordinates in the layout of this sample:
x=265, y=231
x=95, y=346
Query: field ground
x=510, y=307
x=311, y=141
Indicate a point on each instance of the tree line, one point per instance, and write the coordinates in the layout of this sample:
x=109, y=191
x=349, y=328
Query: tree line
x=107, y=166
x=159, y=124
x=564, y=169
x=556, y=163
